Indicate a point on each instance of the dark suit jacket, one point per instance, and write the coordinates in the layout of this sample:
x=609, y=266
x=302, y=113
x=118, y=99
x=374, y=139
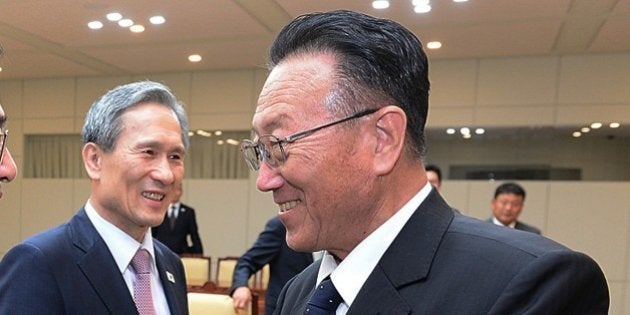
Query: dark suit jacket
x=175, y=239
x=70, y=270
x=522, y=226
x=284, y=263
x=446, y=263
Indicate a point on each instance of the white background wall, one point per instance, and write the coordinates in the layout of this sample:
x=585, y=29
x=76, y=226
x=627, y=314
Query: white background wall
x=593, y=217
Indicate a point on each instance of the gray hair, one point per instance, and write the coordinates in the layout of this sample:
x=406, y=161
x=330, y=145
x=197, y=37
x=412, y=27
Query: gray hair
x=103, y=124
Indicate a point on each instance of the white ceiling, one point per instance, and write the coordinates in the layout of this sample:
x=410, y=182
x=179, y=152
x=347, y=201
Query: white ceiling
x=49, y=38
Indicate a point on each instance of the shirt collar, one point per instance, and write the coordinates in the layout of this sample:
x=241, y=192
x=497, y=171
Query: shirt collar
x=350, y=275
x=121, y=245
x=497, y=222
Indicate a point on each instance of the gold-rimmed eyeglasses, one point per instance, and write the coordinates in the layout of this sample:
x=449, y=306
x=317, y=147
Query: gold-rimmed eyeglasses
x=269, y=148
x=3, y=143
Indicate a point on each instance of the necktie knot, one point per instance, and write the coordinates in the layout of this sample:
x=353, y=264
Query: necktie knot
x=141, y=262
x=324, y=300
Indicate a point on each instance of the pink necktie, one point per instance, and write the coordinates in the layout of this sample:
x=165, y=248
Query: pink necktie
x=141, y=264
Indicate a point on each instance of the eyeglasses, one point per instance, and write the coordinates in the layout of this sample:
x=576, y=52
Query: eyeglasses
x=3, y=143
x=270, y=148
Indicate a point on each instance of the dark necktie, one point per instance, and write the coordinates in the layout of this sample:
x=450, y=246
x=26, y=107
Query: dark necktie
x=172, y=217
x=324, y=300
x=141, y=264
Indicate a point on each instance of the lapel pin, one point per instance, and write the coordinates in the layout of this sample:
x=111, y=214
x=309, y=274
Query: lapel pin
x=170, y=277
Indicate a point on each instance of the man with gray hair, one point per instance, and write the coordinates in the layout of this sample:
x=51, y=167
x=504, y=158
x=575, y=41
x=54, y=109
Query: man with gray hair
x=104, y=260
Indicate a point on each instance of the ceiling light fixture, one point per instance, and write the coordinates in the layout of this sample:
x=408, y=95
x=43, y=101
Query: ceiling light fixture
x=460, y=0
x=114, y=16
x=194, y=58
x=450, y=131
x=480, y=131
x=95, y=25
x=614, y=125
x=464, y=131
x=0, y=69
x=380, y=4
x=596, y=125
x=125, y=22
x=424, y=8
x=138, y=28
x=434, y=45
x=157, y=19
x=585, y=129
x=577, y=134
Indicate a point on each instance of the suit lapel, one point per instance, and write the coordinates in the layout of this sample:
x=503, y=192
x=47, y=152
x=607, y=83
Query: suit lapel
x=169, y=279
x=407, y=260
x=99, y=267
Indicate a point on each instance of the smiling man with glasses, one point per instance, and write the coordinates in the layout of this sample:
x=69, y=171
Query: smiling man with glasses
x=339, y=141
x=8, y=169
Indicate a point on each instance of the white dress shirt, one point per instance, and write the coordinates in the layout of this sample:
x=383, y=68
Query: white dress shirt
x=123, y=247
x=350, y=275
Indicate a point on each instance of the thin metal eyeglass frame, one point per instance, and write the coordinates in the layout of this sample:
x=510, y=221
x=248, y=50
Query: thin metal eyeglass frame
x=296, y=136
x=4, y=136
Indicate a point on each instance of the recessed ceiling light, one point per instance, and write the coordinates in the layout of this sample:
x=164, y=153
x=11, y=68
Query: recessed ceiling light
x=577, y=134
x=218, y=133
x=138, y=28
x=464, y=131
x=158, y=19
x=0, y=69
x=450, y=131
x=596, y=125
x=614, y=125
x=480, y=131
x=380, y=4
x=467, y=136
x=460, y=0
x=585, y=129
x=114, y=16
x=423, y=8
x=95, y=25
x=125, y=22
x=194, y=58
x=434, y=45
x=232, y=142
x=220, y=142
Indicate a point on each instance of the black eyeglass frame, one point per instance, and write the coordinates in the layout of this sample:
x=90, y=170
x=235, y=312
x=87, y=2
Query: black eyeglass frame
x=262, y=154
x=3, y=145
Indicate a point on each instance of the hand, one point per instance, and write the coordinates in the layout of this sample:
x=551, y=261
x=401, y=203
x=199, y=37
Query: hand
x=241, y=296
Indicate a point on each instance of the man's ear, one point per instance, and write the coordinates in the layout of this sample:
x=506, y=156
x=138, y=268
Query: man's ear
x=390, y=131
x=92, y=158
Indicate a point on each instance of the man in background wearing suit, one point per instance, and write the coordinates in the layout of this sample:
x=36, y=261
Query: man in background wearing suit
x=104, y=260
x=339, y=141
x=507, y=205
x=8, y=169
x=284, y=263
x=179, y=225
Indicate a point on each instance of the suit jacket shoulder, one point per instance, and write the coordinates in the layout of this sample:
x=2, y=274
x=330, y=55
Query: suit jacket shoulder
x=73, y=270
x=442, y=262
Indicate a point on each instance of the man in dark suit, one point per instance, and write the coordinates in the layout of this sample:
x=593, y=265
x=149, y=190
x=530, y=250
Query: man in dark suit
x=179, y=225
x=507, y=205
x=104, y=260
x=284, y=263
x=340, y=143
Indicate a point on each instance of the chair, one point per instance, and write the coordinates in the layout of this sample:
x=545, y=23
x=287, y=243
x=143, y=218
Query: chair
x=197, y=269
x=210, y=299
x=261, y=278
x=225, y=270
